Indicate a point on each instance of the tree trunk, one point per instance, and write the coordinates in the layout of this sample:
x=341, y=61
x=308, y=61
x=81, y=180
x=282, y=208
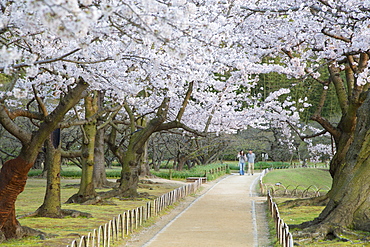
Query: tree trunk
x=349, y=204
x=13, y=178
x=100, y=177
x=181, y=162
x=130, y=174
x=87, y=188
x=349, y=197
x=144, y=162
x=135, y=151
x=52, y=201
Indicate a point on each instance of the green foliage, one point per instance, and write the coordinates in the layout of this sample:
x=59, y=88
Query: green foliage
x=75, y=172
x=308, y=87
x=276, y=165
x=197, y=171
x=234, y=165
x=4, y=79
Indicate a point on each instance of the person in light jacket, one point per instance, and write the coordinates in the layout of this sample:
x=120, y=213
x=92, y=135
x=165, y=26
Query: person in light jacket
x=251, y=157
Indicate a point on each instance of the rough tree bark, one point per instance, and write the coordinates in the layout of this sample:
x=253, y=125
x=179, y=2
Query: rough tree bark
x=100, y=177
x=13, y=174
x=349, y=205
x=87, y=189
x=51, y=206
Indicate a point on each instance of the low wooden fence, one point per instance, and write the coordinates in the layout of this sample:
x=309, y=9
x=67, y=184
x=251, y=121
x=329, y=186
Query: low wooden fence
x=283, y=235
x=216, y=170
x=124, y=224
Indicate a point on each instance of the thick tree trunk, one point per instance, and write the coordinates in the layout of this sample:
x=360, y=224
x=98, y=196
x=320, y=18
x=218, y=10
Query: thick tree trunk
x=129, y=179
x=133, y=156
x=144, y=163
x=87, y=188
x=349, y=204
x=100, y=177
x=52, y=201
x=181, y=162
x=13, y=178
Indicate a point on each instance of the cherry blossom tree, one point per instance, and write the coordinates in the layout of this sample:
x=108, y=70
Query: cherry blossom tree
x=122, y=47
x=306, y=37
x=158, y=59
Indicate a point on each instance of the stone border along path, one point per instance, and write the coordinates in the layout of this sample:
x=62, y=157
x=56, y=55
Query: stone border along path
x=225, y=212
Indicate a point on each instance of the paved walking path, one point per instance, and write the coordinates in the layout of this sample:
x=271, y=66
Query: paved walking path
x=227, y=213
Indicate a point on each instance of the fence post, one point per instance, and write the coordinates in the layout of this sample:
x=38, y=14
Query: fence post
x=120, y=226
x=262, y=189
x=94, y=238
x=283, y=235
x=127, y=222
x=290, y=240
x=73, y=244
x=82, y=242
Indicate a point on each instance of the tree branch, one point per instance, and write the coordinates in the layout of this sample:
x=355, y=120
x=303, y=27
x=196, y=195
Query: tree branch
x=340, y=89
x=185, y=102
x=71, y=154
x=335, y=132
x=78, y=122
x=321, y=104
x=51, y=60
x=271, y=10
x=326, y=32
x=52, y=120
x=178, y=125
x=42, y=106
x=6, y=121
x=303, y=137
x=24, y=113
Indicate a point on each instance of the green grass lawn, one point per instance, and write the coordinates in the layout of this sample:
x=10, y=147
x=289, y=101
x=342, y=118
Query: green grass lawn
x=299, y=179
x=68, y=229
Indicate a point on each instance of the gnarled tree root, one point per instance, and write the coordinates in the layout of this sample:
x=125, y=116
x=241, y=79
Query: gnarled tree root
x=309, y=231
x=64, y=213
x=75, y=213
x=23, y=232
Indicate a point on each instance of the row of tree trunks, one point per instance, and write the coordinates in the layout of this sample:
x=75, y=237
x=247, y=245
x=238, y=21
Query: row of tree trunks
x=14, y=173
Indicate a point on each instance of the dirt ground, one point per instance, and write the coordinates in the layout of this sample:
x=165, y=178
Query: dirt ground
x=226, y=210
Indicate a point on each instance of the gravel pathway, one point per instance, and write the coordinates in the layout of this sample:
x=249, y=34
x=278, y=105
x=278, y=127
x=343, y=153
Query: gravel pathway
x=225, y=212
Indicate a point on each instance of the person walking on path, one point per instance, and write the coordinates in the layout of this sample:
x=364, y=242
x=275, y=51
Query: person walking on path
x=242, y=160
x=251, y=157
